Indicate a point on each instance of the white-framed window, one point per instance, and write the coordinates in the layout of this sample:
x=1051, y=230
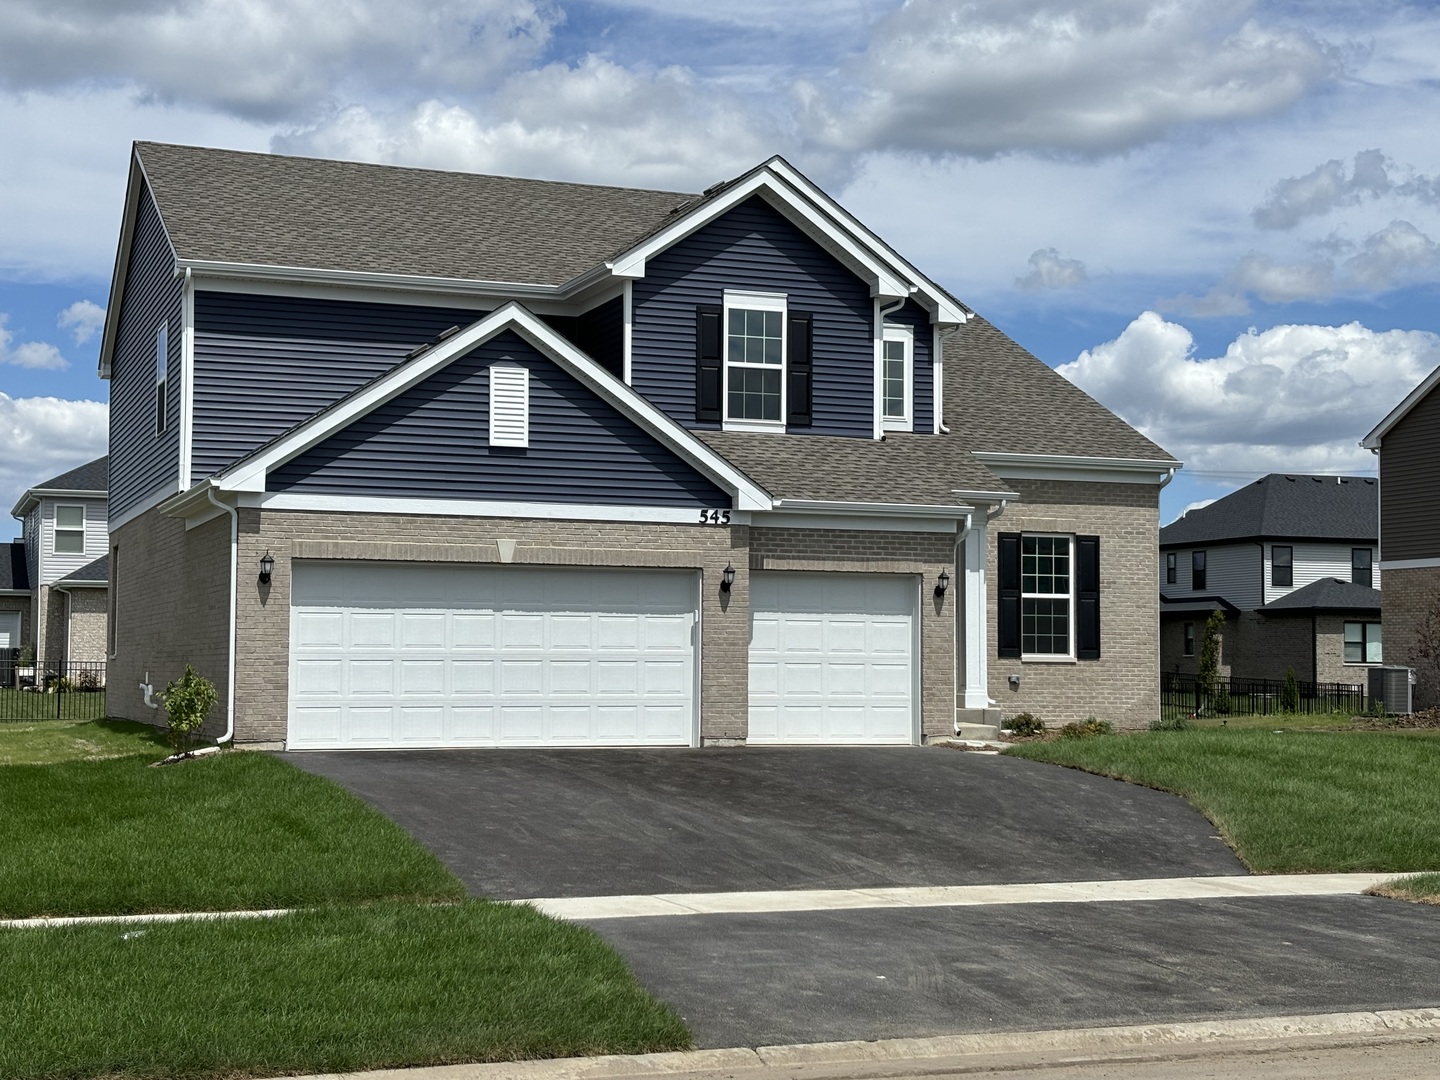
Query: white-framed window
x=69, y=530
x=162, y=362
x=1047, y=596
x=897, y=378
x=509, y=404
x=755, y=361
x=1362, y=643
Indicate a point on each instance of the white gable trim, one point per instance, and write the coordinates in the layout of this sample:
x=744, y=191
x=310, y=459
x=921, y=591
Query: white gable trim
x=122, y=257
x=250, y=473
x=1372, y=441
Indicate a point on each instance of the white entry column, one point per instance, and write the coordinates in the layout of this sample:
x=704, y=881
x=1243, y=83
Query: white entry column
x=974, y=629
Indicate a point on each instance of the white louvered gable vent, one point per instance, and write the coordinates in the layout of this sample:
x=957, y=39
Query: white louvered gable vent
x=509, y=405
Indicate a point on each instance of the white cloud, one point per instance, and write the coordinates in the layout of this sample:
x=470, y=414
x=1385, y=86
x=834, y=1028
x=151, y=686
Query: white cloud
x=1049, y=271
x=1295, y=398
x=84, y=319
x=1397, y=253
x=45, y=436
x=28, y=354
x=1323, y=189
x=269, y=59
x=987, y=77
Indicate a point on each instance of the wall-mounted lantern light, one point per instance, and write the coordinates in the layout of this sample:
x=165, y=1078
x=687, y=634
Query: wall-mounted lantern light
x=943, y=583
x=728, y=578
x=267, y=567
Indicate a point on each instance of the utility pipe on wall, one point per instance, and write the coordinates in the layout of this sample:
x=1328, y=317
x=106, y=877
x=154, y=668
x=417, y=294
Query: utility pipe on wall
x=234, y=565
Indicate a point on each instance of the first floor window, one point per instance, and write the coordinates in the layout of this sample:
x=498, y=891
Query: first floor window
x=69, y=530
x=755, y=358
x=897, y=347
x=1361, y=572
x=1197, y=571
x=1282, y=566
x=1362, y=643
x=1045, y=595
x=1189, y=639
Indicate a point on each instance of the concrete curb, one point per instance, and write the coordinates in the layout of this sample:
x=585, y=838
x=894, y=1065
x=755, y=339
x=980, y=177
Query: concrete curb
x=1093, y=1043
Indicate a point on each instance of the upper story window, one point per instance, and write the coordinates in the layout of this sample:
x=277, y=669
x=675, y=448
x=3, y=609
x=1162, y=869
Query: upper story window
x=162, y=360
x=69, y=530
x=1282, y=566
x=897, y=352
x=1197, y=571
x=1361, y=572
x=755, y=361
x=1171, y=567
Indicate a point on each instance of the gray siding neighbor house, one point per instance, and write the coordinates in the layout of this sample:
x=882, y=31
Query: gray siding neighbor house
x=1291, y=561
x=1406, y=442
x=406, y=458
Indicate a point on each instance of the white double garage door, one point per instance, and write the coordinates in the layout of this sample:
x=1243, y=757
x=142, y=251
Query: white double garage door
x=386, y=655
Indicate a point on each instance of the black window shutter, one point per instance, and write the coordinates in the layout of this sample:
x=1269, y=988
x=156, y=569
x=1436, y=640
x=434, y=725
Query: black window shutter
x=799, y=388
x=1087, y=597
x=707, y=362
x=1008, y=619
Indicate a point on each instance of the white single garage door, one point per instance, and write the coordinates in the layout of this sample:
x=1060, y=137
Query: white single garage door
x=832, y=658
x=424, y=655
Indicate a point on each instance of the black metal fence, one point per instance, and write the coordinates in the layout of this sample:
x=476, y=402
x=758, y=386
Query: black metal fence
x=69, y=690
x=1183, y=695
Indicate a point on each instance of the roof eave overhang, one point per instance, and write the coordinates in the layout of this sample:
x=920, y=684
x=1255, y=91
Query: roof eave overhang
x=1009, y=466
x=17, y=592
x=869, y=509
x=220, y=271
x=34, y=495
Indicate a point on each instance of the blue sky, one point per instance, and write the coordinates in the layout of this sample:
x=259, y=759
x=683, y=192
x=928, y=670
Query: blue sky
x=1217, y=217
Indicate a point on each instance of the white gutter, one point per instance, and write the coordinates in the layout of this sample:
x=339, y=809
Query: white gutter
x=815, y=506
x=234, y=566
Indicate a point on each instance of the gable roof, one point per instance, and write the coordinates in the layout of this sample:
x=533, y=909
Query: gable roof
x=1285, y=506
x=1373, y=440
x=14, y=574
x=1000, y=398
x=90, y=573
x=1327, y=594
x=92, y=478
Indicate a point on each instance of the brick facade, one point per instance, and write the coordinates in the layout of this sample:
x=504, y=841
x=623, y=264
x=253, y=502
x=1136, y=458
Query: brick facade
x=88, y=609
x=1409, y=596
x=1255, y=646
x=1123, y=686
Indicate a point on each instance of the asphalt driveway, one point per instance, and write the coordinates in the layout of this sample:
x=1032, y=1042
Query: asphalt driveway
x=516, y=824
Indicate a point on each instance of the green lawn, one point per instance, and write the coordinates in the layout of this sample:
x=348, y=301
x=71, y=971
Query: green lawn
x=50, y=741
x=73, y=706
x=1421, y=888
x=235, y=830
x=329, y=991
x=1294, y=802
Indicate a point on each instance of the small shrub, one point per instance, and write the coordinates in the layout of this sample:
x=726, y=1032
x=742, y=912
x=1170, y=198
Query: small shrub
x=1086, y=729
x=26, y=657
x=1222, y=703
x=1172, y=723
x=63, y=685
x=87, y=680
x=1025, y=725
x=1290, y=692
x=188, y=700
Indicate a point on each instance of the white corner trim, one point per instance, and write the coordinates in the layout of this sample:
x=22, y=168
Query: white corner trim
x=1079, y=468
x=249, y=475
x=937, y=376
x=1372, y=441
x=628, y=331
x=187, y=376
x=359, y=504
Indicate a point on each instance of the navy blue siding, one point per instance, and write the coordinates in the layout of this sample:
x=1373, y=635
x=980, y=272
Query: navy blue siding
x=754, y=248
x=918, y=319
x=433, y=442
x=266, y=363
x=140, y=461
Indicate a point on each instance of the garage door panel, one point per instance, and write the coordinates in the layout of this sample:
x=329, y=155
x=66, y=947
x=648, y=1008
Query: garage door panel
x=433, y=656
x=831, y=658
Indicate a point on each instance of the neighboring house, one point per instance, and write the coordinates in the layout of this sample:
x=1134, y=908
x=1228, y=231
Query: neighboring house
x=1410, y=533
x=1291, y=561
x=433, y=459
x=16, y=624
x=64, y=539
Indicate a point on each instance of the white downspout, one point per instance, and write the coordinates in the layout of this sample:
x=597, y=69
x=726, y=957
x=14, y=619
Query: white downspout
x=234, y=565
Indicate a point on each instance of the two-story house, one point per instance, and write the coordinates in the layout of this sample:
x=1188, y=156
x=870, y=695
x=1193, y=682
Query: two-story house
x=1291, y=560
x=416, y=458
x=54, y=596
x=1405, y=442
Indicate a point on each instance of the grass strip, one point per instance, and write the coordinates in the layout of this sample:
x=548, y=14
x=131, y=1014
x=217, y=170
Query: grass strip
x=325, y=991
x=1293, y=802
x=71, y=706
x=227, y=832
x=1418, y=888
x=48, y=742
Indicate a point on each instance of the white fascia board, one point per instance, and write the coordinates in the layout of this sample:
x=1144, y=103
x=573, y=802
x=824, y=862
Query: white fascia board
x=308, y=275
x=1158, y=471
x=788, y=519
x=1372, y=441
x=249, y=475
x=17, y=592
x=1407, y=564
x=34, y=495
x=946, y=310
x=360, y=504
x=884, y=282
x=834, y=506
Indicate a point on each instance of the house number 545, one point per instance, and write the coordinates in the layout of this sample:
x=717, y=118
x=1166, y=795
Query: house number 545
x=714, y=517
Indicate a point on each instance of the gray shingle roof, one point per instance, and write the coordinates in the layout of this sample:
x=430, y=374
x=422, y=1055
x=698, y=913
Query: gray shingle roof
x=13, y=572
x=1002, y=399
x=1194, y=605
x=1327, y=594
x=267, y=209
x=912, y=469
x=99, y=570
x=92, y=476
x=1286, y=506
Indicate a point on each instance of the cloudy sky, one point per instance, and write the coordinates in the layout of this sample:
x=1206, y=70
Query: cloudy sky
x=1217, y=216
